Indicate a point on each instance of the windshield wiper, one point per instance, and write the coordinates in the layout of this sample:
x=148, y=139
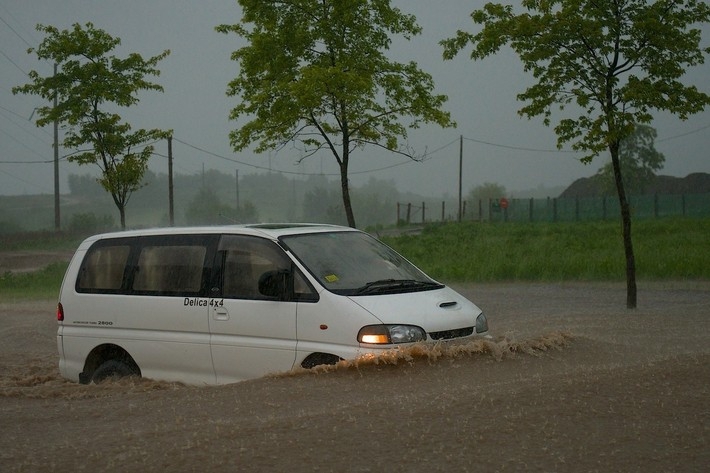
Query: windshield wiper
x=393, y=285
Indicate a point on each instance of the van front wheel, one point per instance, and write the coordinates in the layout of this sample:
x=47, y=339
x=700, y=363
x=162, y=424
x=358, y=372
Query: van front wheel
x=112, y=369
x=315, y=359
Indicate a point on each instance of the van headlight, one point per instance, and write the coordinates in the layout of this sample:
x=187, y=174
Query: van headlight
x=481, y=323
x=390, y=334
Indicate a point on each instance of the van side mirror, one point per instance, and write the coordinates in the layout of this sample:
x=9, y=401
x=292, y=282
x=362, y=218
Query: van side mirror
x=274, y=284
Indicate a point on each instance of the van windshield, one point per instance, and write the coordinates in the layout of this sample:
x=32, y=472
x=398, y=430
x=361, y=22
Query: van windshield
x=354, y=263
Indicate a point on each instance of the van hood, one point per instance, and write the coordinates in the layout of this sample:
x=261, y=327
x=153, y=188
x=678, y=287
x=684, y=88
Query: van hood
x=434, y=311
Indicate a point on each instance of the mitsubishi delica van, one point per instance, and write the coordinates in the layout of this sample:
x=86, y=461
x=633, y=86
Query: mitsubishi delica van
x=215, y=305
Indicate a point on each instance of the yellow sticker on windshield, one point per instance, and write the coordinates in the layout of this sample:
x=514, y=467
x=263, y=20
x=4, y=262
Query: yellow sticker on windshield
x=331, y=278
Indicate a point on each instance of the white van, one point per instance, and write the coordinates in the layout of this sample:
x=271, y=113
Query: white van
x=216, y=305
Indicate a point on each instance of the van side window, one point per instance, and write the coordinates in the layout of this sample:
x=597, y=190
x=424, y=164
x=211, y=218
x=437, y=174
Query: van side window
x=248, y=260
x=175, y=269
x=244, y=261
x=103, y=269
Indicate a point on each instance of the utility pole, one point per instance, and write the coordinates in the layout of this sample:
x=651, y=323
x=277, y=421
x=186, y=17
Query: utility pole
x=57, y=220
x=460, y=179
x=170, y=181
x=237, y=190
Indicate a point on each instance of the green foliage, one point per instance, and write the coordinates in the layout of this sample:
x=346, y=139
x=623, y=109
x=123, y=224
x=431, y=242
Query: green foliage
x=44, y=240
x=487, y=190
x=206, y=208
x=272, y=197
x=668, y=249
x=375, y=202
x=315, y=73
x=323, y=205
x=615, y=61
x=639, y=160
x=9, y=226
x=41, y=284
x=88, y=81
x=612, y=63
x=88, y=223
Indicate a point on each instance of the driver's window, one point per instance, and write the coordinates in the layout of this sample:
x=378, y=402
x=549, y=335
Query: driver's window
x=244, y=261
x=247, y=260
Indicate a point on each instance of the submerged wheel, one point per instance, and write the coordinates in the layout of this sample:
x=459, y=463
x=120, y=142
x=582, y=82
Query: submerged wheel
x=112, y=369
x=315, y=359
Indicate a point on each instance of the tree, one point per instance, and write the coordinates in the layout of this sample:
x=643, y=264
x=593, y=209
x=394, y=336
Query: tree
x=375, y=201
x=321, y=205
x=616, y=61
x=315, y=74
x=88, y=83
x=487, y=190
x=638, y=159
x=206, y=209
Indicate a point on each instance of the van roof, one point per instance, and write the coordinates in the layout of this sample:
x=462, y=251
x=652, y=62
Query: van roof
x=269, y=230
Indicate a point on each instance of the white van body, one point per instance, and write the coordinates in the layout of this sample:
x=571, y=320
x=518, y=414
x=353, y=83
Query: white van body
x=215, y=305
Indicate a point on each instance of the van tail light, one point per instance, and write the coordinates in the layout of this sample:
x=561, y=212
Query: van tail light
x=60, y=312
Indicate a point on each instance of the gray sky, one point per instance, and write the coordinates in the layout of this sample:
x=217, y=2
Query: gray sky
x=499, y=146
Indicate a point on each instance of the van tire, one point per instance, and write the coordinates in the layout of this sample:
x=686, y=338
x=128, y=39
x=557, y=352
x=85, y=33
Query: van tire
x=315, y=359
x=112, y=369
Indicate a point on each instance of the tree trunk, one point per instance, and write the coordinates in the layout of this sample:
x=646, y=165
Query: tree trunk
x=122, y=211
x=626, y=228
x=345, y=190
x=121, y=206
x=344, y=184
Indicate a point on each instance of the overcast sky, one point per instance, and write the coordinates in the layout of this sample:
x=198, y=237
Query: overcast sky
x=498, y=145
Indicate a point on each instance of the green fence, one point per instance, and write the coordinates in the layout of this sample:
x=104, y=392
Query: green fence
x=556, y=209
x=598, y=208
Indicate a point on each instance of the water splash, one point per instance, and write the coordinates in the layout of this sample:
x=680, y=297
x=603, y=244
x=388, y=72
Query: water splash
x=499, y=349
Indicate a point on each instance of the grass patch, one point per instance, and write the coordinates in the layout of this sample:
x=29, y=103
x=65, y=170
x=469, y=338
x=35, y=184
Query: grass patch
x=42, y=284
x=666, y=249
x=47, y=241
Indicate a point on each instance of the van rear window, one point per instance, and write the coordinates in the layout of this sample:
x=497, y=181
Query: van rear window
x=161, y=265
x=170, y=269
x=103, y=269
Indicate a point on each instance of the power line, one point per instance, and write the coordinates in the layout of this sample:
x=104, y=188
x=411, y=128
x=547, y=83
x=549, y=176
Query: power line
x=24, y=146
x=427, y=156
x=14, y=31
x=21, y=39
x=23, y=124
x=62, y=158
x=298, y=173
x=13, y=62
x=518, y=148
x=216, y=155
x=683, y=134
x=537, y=150
x=17, y=178
x=12, y=112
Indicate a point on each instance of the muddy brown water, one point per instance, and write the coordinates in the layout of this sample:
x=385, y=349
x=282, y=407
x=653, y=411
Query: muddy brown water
x=572, y=382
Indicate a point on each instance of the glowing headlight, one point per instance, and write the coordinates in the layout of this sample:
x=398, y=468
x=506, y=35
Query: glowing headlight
x=390, y=334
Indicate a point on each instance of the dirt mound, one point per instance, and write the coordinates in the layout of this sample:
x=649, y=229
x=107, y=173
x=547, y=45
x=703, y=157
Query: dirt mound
x=696, y=183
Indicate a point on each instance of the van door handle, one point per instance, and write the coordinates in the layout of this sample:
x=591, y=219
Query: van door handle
x=220, y=313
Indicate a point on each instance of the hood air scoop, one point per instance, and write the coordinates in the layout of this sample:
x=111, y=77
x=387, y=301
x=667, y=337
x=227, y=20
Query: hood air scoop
x=446, y=305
